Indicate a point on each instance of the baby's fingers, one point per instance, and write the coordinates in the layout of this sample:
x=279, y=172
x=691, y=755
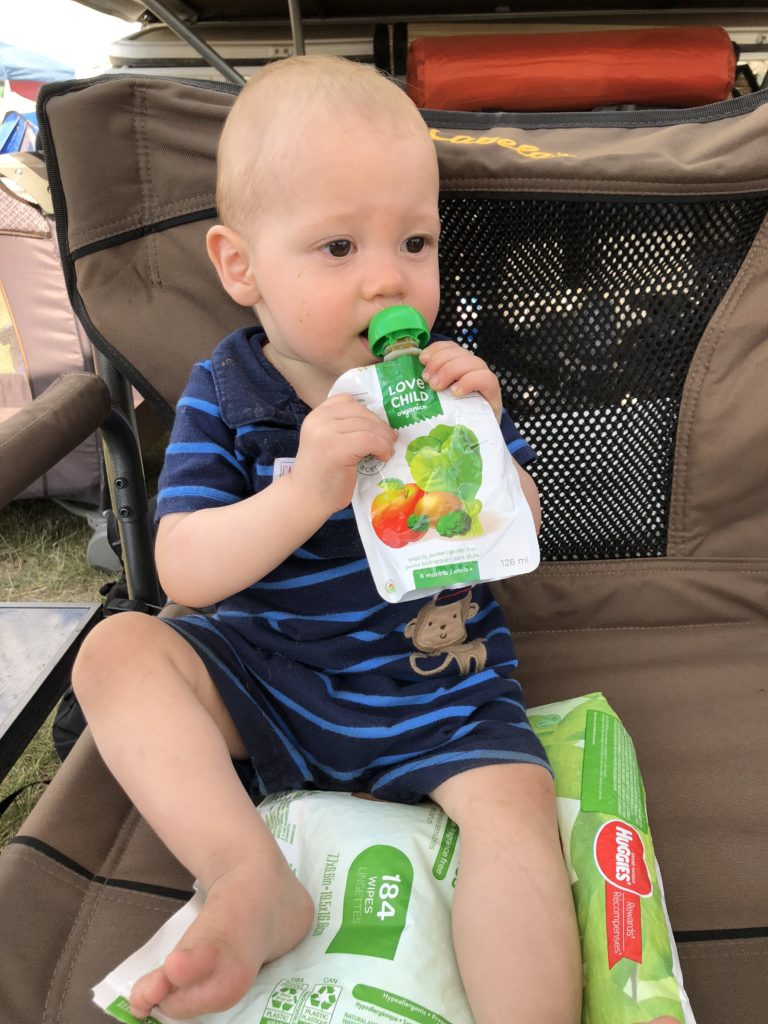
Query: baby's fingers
x=451, y=366
x=358, y=432
x=446, y=362
x=482, y=380
x=365, y=421
x=356, y=442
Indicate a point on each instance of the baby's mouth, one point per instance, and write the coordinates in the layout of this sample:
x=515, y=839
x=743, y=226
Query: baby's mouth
x=365, y=342
x=363, y=336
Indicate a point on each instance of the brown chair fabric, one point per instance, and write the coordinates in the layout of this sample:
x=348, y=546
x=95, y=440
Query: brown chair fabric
x=668, y=618
x=83, y=885
x=149, y=298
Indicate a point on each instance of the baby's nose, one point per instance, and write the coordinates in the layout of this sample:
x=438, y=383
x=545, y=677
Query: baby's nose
x=385, y=280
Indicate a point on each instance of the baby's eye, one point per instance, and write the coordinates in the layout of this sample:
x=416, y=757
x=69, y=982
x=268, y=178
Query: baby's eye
x=339, y=247
x=415, y=244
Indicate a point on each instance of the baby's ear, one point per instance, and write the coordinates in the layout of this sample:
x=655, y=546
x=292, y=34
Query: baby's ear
x=229, y=255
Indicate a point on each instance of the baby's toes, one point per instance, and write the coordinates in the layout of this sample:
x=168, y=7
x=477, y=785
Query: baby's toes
x=149, y=991
x=188, y=966
x=206, y=978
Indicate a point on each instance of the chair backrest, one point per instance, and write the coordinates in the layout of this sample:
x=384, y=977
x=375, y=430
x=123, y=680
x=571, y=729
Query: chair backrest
x=596, y=269
x=609, y=266
x=132, y=175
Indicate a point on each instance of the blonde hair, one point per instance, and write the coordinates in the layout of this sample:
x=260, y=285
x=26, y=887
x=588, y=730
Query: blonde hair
x=286, y=95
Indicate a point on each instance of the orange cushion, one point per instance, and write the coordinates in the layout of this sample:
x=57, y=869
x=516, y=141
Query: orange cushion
x=657, y=67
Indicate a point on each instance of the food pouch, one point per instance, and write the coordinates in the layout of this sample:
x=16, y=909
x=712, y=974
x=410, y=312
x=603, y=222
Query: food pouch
x=382, y=876
x=448, y=508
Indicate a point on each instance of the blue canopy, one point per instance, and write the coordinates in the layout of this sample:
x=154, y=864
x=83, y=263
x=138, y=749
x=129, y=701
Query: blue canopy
x=24, y=65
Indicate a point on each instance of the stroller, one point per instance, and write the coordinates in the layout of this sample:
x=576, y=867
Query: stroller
x=612, y=269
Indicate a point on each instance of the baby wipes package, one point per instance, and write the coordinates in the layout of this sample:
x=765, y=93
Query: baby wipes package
x=631, y=969
x=448, y=508
x=382, y=875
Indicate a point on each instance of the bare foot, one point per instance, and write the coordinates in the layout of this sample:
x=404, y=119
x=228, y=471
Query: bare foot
x=249, y=918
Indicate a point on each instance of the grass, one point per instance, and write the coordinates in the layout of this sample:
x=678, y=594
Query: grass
x=37, y=764
x=43, y=554
x=43, y=558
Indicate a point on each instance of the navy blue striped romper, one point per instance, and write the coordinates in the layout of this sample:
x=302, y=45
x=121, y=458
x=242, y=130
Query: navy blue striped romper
x=325, y=681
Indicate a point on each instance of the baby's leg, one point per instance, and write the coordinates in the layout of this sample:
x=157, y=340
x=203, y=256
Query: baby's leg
x=166, y=736
x=514, y=925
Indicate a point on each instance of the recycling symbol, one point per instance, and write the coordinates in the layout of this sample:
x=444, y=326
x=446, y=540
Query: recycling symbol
x=323, y=997
x=284, y=997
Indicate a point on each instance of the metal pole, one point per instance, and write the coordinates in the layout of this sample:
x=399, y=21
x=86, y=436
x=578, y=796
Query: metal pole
x=127, y=488
x=183, y=31
x=129, y=496
x=297, y=29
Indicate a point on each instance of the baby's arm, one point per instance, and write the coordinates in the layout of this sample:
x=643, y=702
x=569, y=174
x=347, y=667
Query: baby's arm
x=531, y=492
x=449, y=365
x=208, y=555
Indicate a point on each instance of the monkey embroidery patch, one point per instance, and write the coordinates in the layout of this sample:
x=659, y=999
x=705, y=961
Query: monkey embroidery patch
x=439, y=631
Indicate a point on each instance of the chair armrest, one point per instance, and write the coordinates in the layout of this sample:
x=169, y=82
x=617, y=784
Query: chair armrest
x=38, y=436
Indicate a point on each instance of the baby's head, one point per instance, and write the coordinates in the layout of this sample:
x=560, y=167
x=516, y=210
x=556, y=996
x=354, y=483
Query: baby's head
x=289, y=111
x=328, y=197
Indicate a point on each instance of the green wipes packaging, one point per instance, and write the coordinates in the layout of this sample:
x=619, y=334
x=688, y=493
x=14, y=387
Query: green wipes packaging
x=631, y=970
x=382, y=878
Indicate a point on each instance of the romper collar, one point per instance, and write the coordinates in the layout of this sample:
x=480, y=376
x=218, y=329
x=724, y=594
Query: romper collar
x=249, y=388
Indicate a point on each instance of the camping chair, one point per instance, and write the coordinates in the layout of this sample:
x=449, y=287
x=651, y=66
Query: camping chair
x=612, y=268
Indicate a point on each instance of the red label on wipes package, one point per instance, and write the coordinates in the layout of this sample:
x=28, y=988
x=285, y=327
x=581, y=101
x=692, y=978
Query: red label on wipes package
x=623, y=930
x=620, y=857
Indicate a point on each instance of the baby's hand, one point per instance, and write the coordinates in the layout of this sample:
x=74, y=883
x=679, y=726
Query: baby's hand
x=334, y=437
x=448, y=365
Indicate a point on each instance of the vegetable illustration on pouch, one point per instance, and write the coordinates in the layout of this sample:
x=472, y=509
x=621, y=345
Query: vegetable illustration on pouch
x=447, y=470
x=393, y=514
x=448, y=508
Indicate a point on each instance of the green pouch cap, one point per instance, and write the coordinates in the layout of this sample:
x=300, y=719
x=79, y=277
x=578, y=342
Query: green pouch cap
x=393, y=323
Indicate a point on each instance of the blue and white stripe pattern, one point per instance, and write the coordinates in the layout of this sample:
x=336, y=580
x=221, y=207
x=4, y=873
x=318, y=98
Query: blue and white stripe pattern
x=314, y=667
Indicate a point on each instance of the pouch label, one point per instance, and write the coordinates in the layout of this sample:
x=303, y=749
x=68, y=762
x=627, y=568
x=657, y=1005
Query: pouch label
x=446, y=575
x=407, y=397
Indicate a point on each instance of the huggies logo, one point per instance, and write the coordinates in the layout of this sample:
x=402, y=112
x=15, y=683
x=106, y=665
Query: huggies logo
x=527, y=150
x=620, y=858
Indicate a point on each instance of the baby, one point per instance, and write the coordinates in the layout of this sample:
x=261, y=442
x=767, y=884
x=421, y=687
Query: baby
x=302, y=677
